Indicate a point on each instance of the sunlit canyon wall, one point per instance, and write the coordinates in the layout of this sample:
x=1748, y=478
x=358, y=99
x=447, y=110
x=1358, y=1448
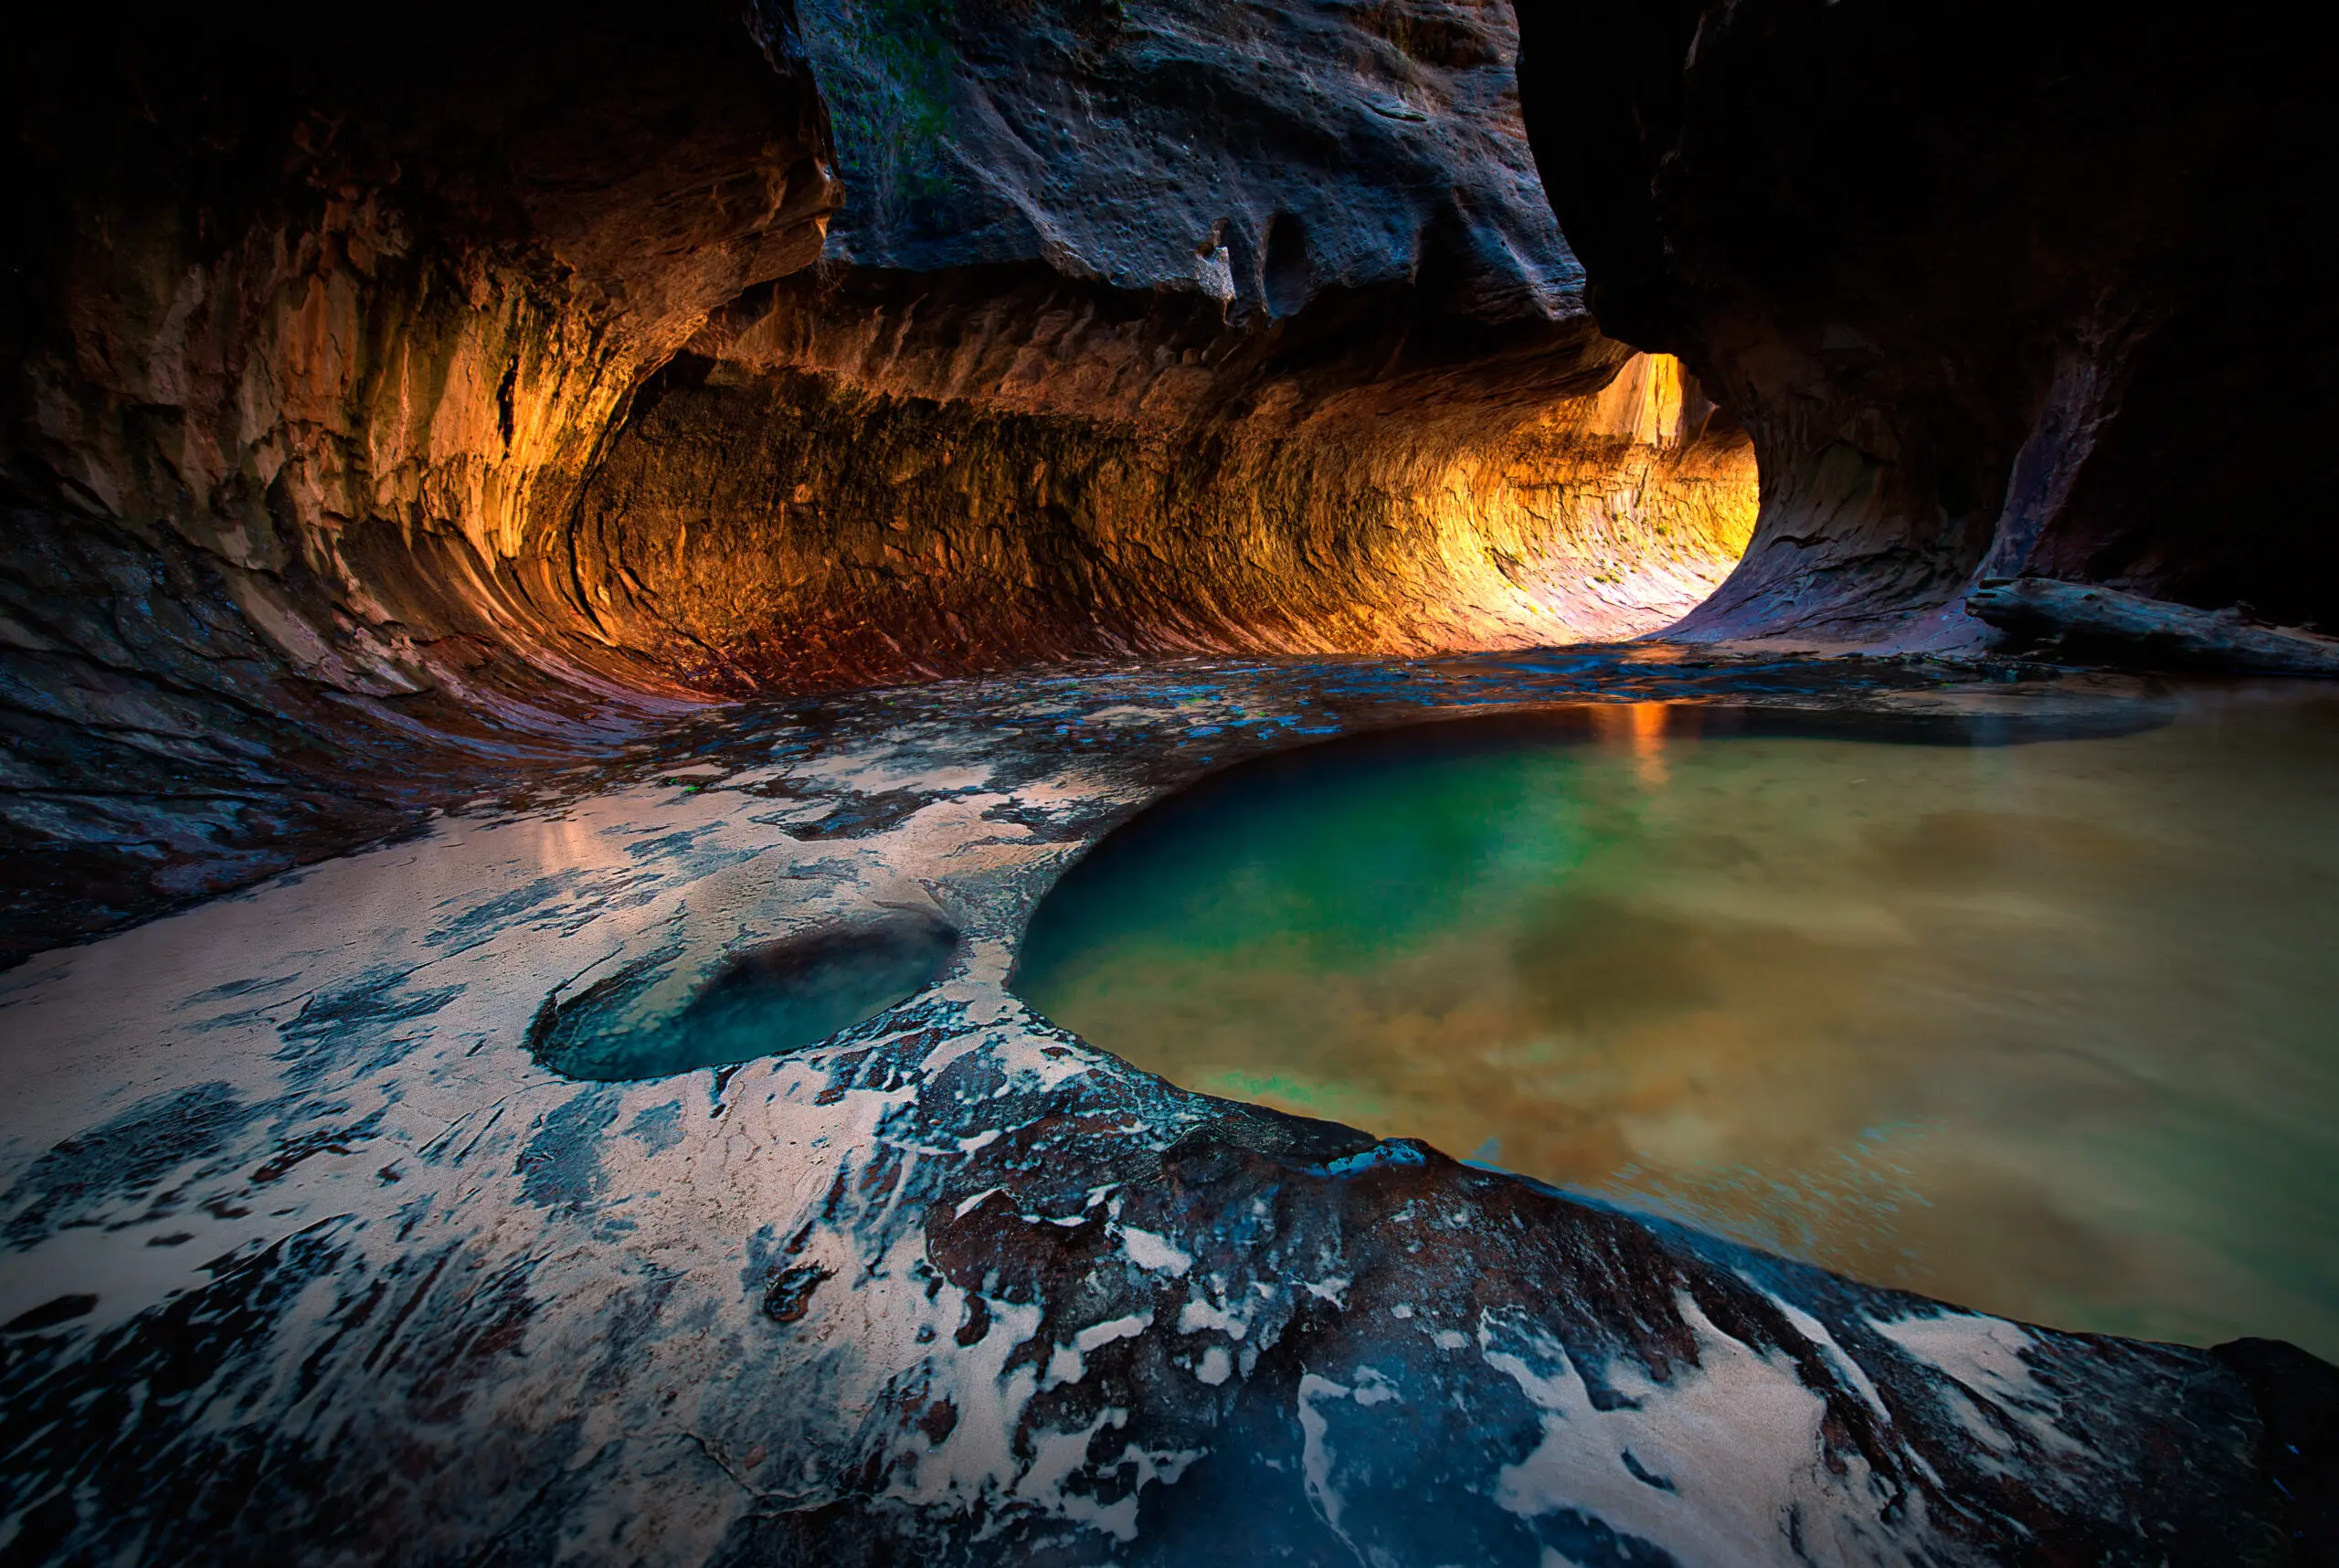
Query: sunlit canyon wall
x=317, y=334
x=765, y=525
x=1155, y=327
x=401, y=410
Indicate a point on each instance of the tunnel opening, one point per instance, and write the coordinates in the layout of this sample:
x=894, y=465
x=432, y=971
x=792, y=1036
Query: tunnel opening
x=1988, y=312
x=784, y=519
x=603, y=417
x=437, y=435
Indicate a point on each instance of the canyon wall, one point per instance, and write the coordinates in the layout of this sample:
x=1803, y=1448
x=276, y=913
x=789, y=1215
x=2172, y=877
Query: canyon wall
x=404, y=411
x=889, y=477
x=317, y=323
x=1996, y=289
x=1161, y=327
x=395, y=415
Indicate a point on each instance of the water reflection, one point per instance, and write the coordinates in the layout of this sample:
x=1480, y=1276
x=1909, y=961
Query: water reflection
x=2049, y=1028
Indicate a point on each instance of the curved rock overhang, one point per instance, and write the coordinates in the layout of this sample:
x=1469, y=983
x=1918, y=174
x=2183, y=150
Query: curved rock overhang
x=880, y=475
x=1154, y=327
x=279, y=294
x=316, y=324
x=373, y=395
x=396, y=417
x=1996, y=289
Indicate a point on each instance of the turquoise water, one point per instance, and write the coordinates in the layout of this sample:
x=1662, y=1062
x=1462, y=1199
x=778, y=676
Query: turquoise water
x=2049, y=1028
x=650, y=1019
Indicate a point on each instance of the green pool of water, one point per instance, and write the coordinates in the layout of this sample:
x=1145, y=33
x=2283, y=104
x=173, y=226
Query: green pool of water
x=653, y=1019
x=2048, y=1028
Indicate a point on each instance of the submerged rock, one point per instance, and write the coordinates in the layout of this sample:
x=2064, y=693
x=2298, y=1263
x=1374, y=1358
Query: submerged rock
x=758, y=1001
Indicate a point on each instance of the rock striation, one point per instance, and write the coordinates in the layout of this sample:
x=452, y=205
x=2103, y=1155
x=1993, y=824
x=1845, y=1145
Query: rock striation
x=1163, y=326
x=901, y=476
x=1996, y=289
x=392, y=420
x=311, y=308
x=317, y=335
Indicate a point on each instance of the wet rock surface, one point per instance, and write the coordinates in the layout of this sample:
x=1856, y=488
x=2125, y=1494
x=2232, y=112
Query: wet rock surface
x=2129, y=628
x=1996, y=289
x=309, y=1260
x=162, y=747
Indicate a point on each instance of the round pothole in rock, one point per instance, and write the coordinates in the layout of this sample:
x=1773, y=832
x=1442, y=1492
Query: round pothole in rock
x=780, y=997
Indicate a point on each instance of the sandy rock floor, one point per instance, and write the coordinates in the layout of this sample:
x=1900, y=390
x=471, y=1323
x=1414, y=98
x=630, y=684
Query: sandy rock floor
x=308, y=1259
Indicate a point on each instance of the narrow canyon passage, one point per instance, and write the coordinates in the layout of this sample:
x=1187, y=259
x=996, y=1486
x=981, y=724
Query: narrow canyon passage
x=647, y=657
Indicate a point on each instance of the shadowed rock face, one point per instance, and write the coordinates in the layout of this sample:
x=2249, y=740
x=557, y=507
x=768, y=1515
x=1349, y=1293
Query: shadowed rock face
x=283, y=292
x=1256, y=153
x=1996, y=289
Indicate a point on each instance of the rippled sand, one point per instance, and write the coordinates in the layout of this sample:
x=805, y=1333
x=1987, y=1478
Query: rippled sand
x=2051, y=1029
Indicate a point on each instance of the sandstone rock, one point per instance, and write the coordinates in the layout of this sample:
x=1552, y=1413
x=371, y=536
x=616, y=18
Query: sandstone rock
x=486, y=409
x=1996, y=289
x=2129, y=628
x=892, y=477
x=1162, y=327
x=431, y=408
x=1257, y=153
x=314, y=329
